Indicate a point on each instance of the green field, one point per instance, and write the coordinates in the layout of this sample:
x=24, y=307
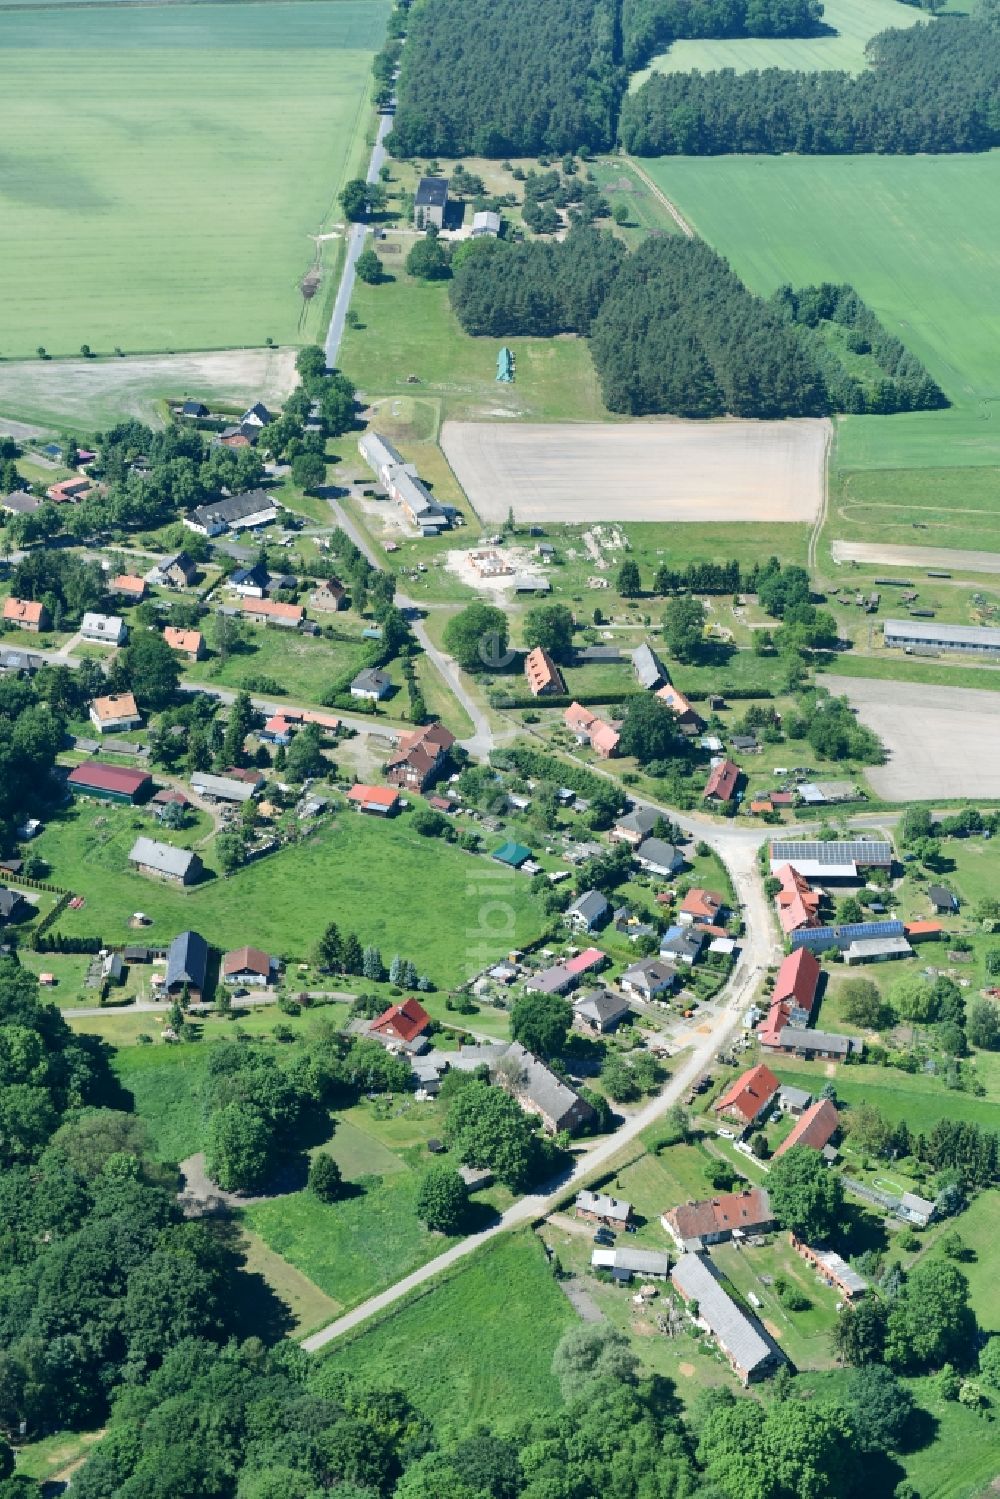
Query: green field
x=303, y=665
x=852, y=23
x=407, y=329
x=919, y=238
x=354, y=1248
x=422, y=898
x=476, y=1347
x=163, y=169
x=166, y=1083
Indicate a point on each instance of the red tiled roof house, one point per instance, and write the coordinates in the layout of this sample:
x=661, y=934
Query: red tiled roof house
x=749, y=1095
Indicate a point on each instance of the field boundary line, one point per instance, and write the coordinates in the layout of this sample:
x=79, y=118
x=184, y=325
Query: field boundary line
x=824, y=504
x=661, y=197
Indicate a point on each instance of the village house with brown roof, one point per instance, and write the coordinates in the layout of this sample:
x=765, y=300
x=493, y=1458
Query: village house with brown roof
x=693, y=1225
x=419, y=756
x=189, y=643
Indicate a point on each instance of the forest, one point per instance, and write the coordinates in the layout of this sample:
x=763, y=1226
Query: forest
x=502, y=288
x=648, y=26
x=927, y=89
x=673, y=329
x=500, y=80
x=495, y=80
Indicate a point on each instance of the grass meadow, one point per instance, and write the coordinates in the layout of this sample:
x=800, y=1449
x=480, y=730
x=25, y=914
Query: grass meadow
x=426, y=900
x=166, y=197
x=850, y=23
x=475, y=1347
x=408, y=335
x=918, y=238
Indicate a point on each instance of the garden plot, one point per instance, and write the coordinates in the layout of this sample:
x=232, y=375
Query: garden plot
x=941, y=741
x=642, y=471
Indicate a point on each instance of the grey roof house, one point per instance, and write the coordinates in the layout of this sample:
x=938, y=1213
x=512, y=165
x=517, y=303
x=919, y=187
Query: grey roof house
x=164, y=860
x=430, y=202
x=600, y=1010
x=187, y=963
x=648, y=978
x=648, y=667
x=635, y=825
x=658, y=857
x=587, y=912
x=371, y=684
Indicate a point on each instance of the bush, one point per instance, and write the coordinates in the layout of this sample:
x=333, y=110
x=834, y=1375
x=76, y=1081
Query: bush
x=325, y=1180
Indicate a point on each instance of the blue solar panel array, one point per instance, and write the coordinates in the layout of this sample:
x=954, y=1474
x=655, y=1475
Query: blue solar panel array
x=819, y=938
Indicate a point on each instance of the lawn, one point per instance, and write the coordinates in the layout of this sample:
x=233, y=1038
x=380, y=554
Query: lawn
x=917, y=236
x=170, y=203
x=920, y=1100
x=852, y=23
x=301, y=666
x=360, y=872
x=166, y=1083
x=932, y=507
x=409, y=335
x=353, y=1248
x=475, y=1347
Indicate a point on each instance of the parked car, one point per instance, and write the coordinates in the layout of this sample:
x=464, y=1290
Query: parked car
x=726, y=1134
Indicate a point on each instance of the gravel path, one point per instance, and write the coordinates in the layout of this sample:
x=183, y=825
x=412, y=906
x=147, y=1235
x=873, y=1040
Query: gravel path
x=882, y=555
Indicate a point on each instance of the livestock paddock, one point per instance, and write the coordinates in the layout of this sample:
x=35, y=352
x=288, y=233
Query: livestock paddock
x=641, y=471
x=941, y=742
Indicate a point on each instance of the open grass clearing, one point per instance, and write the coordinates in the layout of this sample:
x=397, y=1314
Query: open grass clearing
x=475, y=1347
x=940, y=510
x=424, y=899
x=919, y=1099
x=888, y=666
x=214, y=256
x=846, y=28
x=301, y=666
x=919, y=239
x=642, y=471
x=407, y=328
x=309, y=1307
x=49, y=1456
x=941, y=741
x=353, y=1248
x=166, y=1083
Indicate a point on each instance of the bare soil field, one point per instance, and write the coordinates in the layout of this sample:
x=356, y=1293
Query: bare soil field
x=87, y=393
x=941, y=741
x=641, y=471
x=906, y=556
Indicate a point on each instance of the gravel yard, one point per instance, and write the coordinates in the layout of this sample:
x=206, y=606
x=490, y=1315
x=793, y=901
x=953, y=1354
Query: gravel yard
x=641, y=471
x=941, y=741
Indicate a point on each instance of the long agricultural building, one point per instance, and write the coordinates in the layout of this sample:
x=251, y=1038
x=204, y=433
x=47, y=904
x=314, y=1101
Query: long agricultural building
x=835, y=860
x=924, y=635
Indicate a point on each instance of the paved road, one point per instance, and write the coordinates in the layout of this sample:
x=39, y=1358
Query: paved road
x=481, y=742
x=269, y=707
x=738, y=849
x=588, y=1164
x=355, y=244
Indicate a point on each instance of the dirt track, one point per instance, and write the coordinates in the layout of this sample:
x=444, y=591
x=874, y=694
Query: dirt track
x=942, y=741
x=906, y=556
x=85, y=391
x=641, y=471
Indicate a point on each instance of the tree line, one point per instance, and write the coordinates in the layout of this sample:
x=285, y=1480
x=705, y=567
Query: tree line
x=500, y=289
x=648, y=26
x=928, y=89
